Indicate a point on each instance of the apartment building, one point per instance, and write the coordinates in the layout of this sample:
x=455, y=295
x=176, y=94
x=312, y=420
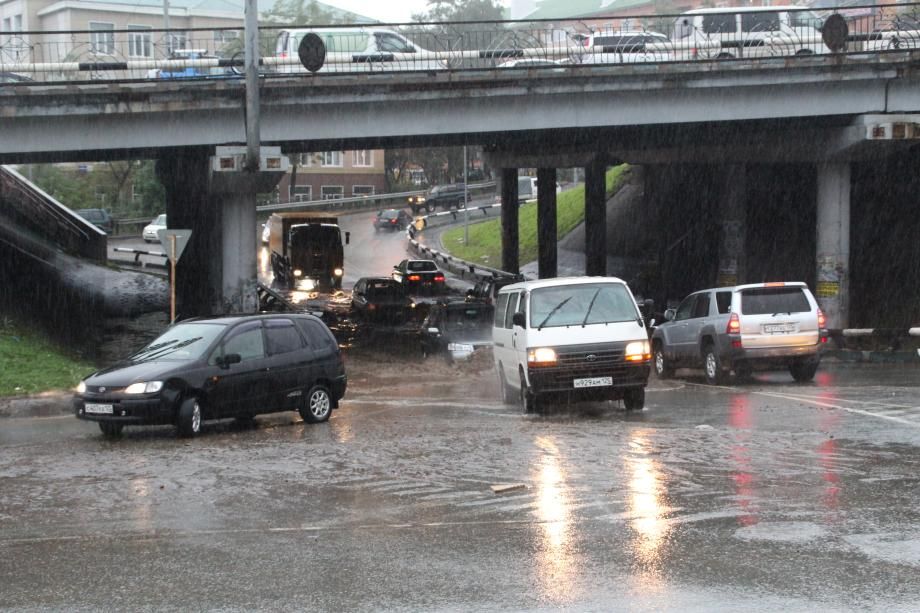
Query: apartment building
x=330, y=175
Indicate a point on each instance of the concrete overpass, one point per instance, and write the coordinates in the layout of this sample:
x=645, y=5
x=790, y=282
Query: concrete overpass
x=826, y=112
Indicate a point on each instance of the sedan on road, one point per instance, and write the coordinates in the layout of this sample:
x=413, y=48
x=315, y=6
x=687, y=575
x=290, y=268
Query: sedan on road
x=150, y=230
x=420, y=276
x=235, y=366
x=391, y=219
x=381, y=299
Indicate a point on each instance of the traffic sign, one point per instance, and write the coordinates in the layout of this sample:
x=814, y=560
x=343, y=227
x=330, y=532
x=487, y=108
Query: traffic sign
x=174, y=241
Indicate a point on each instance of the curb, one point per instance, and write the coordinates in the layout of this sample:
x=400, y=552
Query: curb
x=46, y=404
x=876, y=357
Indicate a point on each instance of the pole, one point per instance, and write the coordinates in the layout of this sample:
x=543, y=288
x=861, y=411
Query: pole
x=166, y=27
x=466, y=201
x=253, y=137
x=172, y=278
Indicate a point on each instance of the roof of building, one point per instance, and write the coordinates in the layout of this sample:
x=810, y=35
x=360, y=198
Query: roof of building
x=566, y=9
x=197, y=7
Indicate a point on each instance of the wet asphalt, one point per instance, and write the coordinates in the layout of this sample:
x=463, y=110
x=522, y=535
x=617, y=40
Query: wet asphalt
x=765, y=495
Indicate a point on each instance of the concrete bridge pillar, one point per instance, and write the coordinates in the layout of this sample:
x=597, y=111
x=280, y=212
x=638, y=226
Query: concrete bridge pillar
x=732, y=243
x=833, y=241
x=546, y=223
x=212, y=196
x=189, y=204
x=596, y=218
x=510, y=231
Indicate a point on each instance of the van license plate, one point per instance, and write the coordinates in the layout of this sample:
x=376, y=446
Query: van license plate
x=778, y=328
x=98, y=409
x=593, y=382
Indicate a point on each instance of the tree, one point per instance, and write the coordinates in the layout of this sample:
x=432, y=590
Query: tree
x=462, y=10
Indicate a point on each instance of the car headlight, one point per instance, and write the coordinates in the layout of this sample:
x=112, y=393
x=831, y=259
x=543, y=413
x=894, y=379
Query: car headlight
x=142, y=387
x=541, y=356
x=298, y=272
x=638, y=351
x=81, y=387
x=337, y=272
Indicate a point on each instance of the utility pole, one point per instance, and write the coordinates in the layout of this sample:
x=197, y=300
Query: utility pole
x=166, y=26
x=253, y=137
x=466, y=200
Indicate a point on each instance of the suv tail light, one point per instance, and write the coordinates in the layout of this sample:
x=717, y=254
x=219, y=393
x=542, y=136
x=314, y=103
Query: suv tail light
x=822, y=320
x=734, y=325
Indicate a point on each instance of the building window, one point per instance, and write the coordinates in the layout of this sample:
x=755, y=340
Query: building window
x=102, y=37
x=362, y=190
x=140, y=44
x=363, y=158
x=302, y=193
x=332, y=158
x=222, y=37
x=17, y=23
x=7, y=25
x=305, y=159
x=177, y=40
x=332, y=192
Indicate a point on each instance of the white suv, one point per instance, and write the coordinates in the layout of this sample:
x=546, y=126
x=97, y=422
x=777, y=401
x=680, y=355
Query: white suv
x=763, y=326
x=626, y=47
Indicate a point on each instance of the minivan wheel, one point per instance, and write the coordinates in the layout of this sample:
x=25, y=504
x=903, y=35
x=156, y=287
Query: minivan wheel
x=189, y=420
x=712, y=365
x=528, y=398
x=634, y=398
x=508, y=395
x=110, y=430
x=803, y=371
x=662, y=368
x=317, y=406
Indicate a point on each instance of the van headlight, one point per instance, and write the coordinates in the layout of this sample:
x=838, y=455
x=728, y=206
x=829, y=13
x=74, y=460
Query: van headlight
x=541, y=356
x=142, y=387
x=638, y=351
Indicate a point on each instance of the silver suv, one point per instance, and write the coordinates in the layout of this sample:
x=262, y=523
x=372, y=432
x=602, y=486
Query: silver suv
x=763, y=326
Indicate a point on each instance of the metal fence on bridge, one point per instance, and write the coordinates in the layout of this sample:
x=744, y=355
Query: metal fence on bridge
x=721, y=34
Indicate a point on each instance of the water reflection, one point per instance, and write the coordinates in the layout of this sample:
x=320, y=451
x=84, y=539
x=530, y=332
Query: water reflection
x=648, y=508
x=741, y=419
x=141, y=503
x=557, y=564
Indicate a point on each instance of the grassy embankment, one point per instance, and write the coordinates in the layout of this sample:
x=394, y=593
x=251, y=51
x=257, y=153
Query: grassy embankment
x=30, y=363
x=486, y=237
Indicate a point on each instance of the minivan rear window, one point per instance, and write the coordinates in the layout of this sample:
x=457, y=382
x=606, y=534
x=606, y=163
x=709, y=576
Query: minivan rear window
x=771, y=300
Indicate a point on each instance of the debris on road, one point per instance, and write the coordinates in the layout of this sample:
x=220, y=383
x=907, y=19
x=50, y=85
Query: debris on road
x=501, y=488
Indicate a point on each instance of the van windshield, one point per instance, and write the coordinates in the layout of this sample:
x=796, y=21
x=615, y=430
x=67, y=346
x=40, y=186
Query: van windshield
x=583, y=304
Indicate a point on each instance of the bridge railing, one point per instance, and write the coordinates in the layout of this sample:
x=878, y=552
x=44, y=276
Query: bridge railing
x=549, y=45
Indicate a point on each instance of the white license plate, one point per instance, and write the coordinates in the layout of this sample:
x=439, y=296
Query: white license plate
x=778, y=328
x=593, y=382
x=98, y=409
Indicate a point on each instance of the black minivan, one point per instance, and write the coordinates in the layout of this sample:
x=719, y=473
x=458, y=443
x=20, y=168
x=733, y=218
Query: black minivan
x=234, y=366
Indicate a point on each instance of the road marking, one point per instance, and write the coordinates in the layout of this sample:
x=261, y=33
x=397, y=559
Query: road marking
x=828, y=405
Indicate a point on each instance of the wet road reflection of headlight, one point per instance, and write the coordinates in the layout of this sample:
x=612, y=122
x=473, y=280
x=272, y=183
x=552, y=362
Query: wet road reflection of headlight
x=557, y=567
x=648, y=508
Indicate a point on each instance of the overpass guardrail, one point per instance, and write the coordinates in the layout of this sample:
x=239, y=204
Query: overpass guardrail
x=157, y=55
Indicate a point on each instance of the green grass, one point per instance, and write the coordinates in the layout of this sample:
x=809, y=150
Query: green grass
x=485, y=245
x=30, y=363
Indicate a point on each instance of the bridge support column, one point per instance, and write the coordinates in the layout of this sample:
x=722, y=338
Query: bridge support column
x=237, y=189
x=595, y=218
x=546, y=223
x=510, y=241
x=833, y=240
x=189, y=205
x=734, y=227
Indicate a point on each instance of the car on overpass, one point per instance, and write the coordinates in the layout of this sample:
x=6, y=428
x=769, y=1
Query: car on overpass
x=355, y=49
x=626, y=47
x=902, y=32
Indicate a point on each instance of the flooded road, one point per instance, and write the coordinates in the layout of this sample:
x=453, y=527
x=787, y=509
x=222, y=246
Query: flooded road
x=767, y=494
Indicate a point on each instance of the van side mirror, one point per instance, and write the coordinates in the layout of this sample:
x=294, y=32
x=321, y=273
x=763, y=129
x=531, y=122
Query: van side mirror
x=669, y=315
x=518, y=320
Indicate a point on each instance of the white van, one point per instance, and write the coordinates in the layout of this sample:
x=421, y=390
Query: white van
x=357, y=50
x=575, y=337
x=527, y=189
x=753, y=32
